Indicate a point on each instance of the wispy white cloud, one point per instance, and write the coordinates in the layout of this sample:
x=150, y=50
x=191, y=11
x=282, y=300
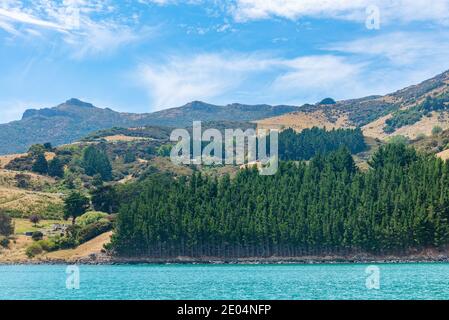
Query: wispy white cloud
x=367, y=66
x=169, y=2
x=223, y=77
x=8, y=27
x=88, y=27
x=204, y=76
x=400, y=48
x=396, y=60
x=18, y=16
x=391, y=10
x=319, y=75
x=158, y=2
x=103, y=38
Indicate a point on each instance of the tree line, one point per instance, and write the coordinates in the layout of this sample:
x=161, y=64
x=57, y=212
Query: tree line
x=310, y=142
x=324, y=206
x=93, y=160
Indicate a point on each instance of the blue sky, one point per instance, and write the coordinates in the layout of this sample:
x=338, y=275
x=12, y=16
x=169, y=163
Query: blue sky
x=147, y=55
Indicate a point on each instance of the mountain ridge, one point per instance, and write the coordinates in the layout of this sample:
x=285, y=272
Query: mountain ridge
x=74, y=119
x=372, y=112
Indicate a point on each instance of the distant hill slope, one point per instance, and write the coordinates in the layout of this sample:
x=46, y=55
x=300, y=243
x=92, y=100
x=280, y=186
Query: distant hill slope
x=75, y=119
x=197, y=110
x=406, y=107
x=410, y=111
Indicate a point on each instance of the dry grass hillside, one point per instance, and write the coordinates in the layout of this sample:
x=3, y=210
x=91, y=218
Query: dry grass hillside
x=122, y=137
x=21, y=202
x=8, y=178
x=303, y=120
x=444, y=155
x=434, y=144
x=16, y=251
x=422, y=127
x=85, y=252
x=5, y=159
x=370, y=113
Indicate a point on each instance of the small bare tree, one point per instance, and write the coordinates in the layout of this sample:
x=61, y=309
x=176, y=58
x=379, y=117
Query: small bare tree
x=35, y=219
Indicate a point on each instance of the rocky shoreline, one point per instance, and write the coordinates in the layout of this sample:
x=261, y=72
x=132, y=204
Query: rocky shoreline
x=104, y=259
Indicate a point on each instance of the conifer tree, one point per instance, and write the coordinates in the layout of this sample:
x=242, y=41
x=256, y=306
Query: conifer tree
x=56, y=168
x=95, y=161
x=75, y=205
x=40, y=165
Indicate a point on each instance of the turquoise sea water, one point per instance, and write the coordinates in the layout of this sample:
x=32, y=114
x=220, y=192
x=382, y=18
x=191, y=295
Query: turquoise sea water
x=331, y=281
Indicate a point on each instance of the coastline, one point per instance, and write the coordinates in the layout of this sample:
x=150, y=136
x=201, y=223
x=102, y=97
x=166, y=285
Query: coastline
x=104, y=259
x=93, y=253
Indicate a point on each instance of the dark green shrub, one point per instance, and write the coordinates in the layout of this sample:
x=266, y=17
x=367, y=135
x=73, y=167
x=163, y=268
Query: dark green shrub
x=33, y=250
x=327, y=101
x=129, y=157
x=40, y=165
x=23, y=180
x=6, y=224
x=4, y=242
x=93, y=230
x=91, y=217
x=436, y=130
x=56, y=168
x=37, y=235
x=66, y=243
x=48, y=245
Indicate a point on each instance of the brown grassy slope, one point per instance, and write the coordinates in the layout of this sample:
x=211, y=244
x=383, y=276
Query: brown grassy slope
x=16, y=251
x=24, y=203
x=5, y=159
x=122, y=137
x=36, y=182
x=303, y=120
x=370, y=112
x=83, y=251
x=424, y=126
x=434, y=144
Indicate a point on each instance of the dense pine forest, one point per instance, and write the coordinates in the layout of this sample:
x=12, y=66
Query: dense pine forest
x=311, y=142
x=323, y=206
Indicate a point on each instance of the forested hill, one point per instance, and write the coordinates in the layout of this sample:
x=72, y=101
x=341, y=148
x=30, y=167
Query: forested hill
x=75, y=119
x=325, y=206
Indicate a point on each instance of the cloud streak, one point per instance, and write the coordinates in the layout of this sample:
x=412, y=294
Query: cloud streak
x=366, y=66
x=17, y=16
x=88, y=27
x=222, y=77
x=204, y=76
x=400, y=48
x=354, y=10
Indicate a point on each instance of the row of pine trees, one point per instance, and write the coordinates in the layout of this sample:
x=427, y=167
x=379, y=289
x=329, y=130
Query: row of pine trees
x=324, y=206
x=310, y=142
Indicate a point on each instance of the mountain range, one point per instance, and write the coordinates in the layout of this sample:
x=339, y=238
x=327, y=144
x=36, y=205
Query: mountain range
x=411, y=111
x=75, y=119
